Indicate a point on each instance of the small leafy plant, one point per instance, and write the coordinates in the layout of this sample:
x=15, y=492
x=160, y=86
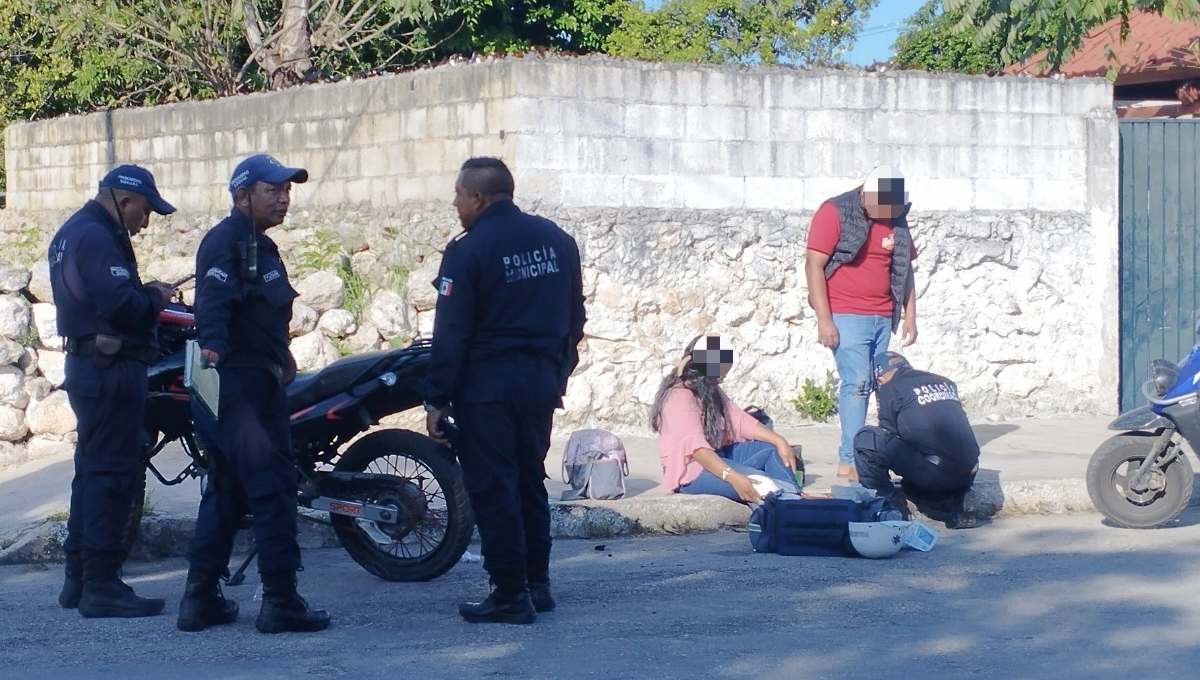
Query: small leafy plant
x=816, y=400
x=325, y=250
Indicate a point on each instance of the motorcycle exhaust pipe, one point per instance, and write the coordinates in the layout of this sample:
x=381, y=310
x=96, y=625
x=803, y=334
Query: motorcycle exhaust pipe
x=368, y=511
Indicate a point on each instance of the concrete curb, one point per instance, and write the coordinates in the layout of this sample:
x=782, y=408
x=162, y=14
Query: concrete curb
x=165, y=536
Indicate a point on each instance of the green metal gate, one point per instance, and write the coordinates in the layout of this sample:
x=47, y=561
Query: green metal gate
x=1160, y=281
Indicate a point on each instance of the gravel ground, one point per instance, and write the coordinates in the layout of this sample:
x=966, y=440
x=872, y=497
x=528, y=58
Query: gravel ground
x=1034, y=597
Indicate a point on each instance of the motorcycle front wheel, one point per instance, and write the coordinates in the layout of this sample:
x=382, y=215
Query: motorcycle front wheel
x=1165, y=495
x=439, y=521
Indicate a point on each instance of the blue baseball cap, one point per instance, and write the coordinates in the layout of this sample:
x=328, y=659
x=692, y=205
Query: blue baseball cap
x=138, y=180
x=264, y=168
x=889, y=361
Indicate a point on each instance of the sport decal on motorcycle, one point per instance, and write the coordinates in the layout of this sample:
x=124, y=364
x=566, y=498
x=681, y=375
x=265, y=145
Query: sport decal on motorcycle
x=444, y=286
x=352, y=509
x=270, y=276
x=217, y=274
x=119, y=272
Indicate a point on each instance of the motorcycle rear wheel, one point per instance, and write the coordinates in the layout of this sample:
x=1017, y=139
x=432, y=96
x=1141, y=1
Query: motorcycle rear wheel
x=1108, y=483
x=443, y=522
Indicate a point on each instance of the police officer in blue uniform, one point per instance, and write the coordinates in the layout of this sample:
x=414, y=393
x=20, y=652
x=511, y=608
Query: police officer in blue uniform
x=108, y=319
x=925, y=437
x=243, y=308
x=509, y=318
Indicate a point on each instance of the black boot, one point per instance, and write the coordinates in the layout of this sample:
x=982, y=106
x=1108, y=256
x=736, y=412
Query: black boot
x=508, y=603
x=72, y=588
x=543, y=600
x=283, y=610
x=203, y=603
x=106, y=596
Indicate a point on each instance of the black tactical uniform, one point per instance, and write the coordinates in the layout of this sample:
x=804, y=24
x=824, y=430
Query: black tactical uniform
x=924, y=437
x=509, y=317
x=109, y=324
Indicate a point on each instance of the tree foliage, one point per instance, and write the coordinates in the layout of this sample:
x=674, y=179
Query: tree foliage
x=810, y=32
x=932, y=40
x=1024, y=27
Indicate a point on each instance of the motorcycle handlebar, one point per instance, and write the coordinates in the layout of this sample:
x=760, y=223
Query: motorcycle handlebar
x=178, y=318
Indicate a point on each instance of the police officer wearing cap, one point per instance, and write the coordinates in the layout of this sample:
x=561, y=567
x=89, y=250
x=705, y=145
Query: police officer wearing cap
x=925, y=438
x=508, y=319
x=108, y=319
x=243, y=308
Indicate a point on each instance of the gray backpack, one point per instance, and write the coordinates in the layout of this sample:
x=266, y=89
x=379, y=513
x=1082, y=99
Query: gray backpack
x=594, y=466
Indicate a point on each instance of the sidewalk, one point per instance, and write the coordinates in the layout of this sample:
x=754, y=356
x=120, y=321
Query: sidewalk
x=1027, y=466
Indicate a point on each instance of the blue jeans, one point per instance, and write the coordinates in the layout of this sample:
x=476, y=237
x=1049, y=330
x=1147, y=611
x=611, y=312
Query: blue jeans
x=861, y=337
x=748, y=458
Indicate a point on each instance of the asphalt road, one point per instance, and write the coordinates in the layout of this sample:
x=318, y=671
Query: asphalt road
x=1035, y=597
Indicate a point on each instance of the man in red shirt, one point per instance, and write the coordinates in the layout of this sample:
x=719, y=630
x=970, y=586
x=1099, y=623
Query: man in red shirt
x=860, y=285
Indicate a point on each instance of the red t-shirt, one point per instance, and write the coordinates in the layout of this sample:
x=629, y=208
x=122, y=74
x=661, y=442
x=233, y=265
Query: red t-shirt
x=863, y=285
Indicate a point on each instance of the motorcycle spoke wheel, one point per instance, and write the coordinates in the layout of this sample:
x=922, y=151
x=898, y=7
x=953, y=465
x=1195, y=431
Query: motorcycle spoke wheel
x=427, y=532
x=434, y=522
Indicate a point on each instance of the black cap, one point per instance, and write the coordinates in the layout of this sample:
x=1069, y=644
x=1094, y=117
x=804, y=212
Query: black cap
x=138, y=180
x=264, y=168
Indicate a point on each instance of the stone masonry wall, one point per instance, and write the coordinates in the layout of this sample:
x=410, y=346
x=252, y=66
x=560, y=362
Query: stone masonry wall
x=690, y=191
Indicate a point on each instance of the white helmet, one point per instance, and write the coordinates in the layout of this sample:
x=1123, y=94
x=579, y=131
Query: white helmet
x=877, y=539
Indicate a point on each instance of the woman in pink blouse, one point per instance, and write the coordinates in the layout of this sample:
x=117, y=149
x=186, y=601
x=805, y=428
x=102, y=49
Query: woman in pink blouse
x=707, y=444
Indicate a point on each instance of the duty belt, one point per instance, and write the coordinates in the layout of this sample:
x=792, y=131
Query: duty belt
x=248, y=360
x=523, y=358
x=87, y=347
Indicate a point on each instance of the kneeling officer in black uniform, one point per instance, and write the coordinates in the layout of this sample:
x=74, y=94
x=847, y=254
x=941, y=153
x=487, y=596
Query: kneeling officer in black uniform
x=923, y=436
x=108, y=319
x=509, y=317
x=243, y=307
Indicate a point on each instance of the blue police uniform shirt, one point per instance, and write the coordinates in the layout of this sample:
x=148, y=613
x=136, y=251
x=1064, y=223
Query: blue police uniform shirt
x=94, y=277
x=235, y=316
x=924, y=409
x=509, y=289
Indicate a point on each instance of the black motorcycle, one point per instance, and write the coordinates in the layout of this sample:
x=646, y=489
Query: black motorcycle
x=395, y=500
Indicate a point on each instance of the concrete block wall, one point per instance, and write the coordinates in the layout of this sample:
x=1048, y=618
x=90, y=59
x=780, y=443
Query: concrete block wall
x=602, y=133
x=380, y=141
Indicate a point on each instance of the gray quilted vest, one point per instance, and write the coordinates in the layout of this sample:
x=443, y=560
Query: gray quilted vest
x=855, y=229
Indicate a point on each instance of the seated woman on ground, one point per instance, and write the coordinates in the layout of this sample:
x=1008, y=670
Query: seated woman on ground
x=708, y=445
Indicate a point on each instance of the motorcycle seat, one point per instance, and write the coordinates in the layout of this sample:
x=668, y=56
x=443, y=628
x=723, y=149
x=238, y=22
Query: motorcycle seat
x=315, y=386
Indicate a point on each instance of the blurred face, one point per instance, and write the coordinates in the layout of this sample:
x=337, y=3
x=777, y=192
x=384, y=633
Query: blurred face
x=887, y=377
x=266, y=204
x=887, y=201
x=711, y=358
x=468, y=204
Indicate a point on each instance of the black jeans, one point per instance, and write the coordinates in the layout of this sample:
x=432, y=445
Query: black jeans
x=878, y=452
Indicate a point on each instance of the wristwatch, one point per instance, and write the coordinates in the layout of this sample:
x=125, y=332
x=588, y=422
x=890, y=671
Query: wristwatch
x=430, y=408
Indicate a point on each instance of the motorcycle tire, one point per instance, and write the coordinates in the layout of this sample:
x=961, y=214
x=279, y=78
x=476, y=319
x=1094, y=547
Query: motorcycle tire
x=1108, y=472
x=414, y=457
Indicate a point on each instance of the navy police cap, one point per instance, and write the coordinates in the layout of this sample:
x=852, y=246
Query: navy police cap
x=263, y=168
x=138, y=180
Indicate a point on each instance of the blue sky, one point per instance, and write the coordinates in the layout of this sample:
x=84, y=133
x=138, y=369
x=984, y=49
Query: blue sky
x=875, y=41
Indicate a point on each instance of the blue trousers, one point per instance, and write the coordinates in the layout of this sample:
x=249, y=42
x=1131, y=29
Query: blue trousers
x=252, y=473
x=109, y=405
x=748, y=458
x=861, y=337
